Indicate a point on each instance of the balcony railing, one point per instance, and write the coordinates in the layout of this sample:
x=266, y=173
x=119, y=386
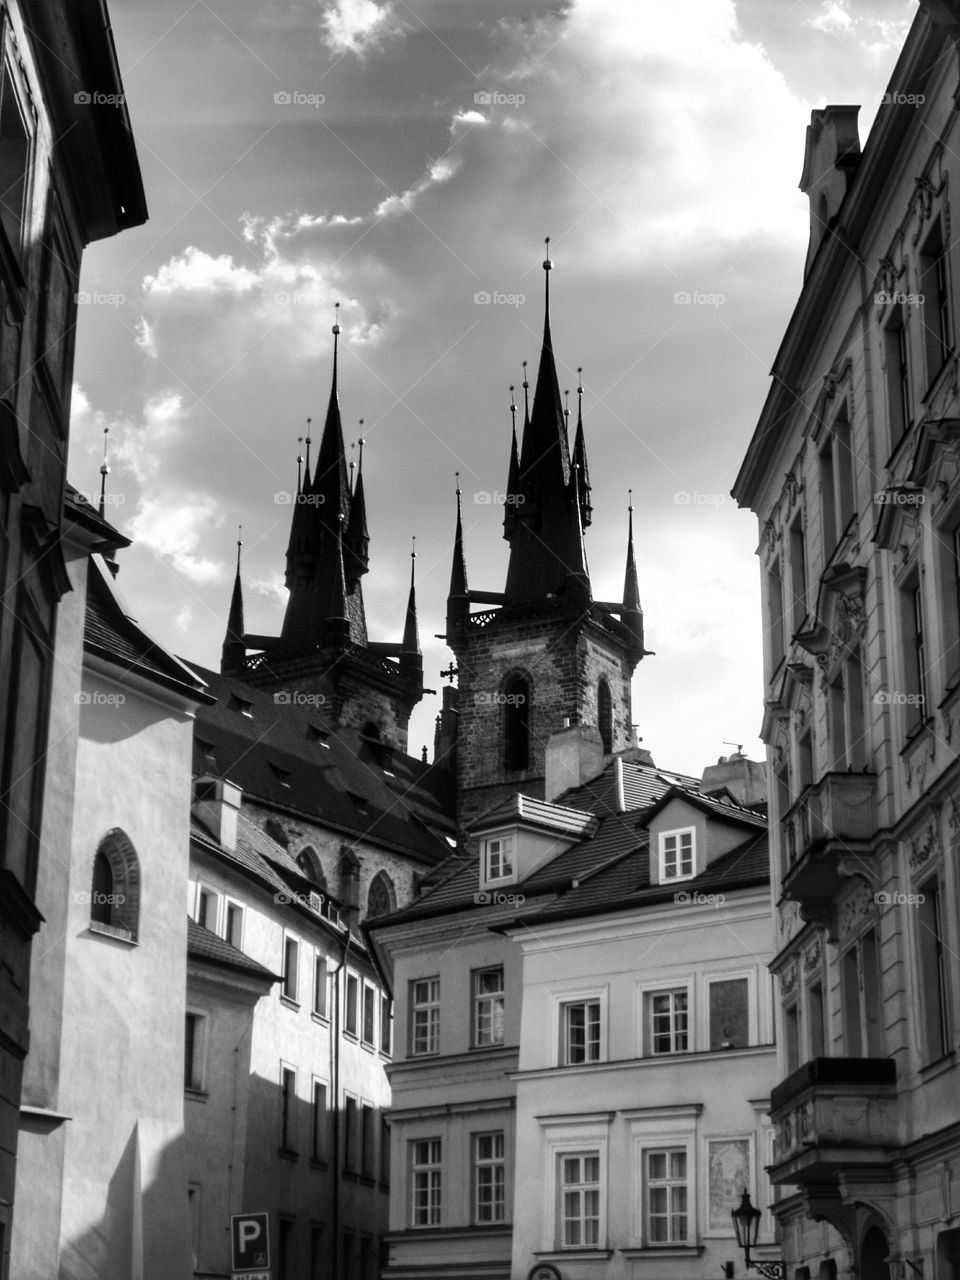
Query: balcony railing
x=831, y=1116
x=834, y=819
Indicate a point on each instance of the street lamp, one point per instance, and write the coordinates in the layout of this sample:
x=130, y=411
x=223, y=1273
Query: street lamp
x=746, y=1223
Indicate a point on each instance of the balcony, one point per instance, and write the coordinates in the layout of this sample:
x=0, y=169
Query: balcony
x=833, y=1117
x=827, y=837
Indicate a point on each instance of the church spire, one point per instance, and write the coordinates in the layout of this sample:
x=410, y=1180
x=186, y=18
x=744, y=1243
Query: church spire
x=544, y=555
x=579, y=459
x=458, y=600
x=357, y=537
x=632, y=616
x=513, y=476
x=234, y=650
x=411, y=660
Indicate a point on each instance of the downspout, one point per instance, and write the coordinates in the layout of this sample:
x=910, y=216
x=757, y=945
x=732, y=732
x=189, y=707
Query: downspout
x=335, y=1073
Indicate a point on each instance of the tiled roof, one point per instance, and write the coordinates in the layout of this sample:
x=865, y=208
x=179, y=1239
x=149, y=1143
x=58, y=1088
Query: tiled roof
x=208, y=946
x=287, y=758
x=537, y=813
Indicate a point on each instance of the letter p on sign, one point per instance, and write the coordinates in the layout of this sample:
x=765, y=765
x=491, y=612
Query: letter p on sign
x=251, y=1241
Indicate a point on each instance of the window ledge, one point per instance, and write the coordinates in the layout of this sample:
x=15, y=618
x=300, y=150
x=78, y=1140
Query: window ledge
x=597, y=1254
x=290, y=1002
x=939, y=1066
x=195, y=1095
x=286, y=1153
x=321, y=1018
x=351, y=1036
x=663, y=1251
x=112, y=931
x=950, y=686
x=317, y=1163
x=368, y=1045
x=918, y=733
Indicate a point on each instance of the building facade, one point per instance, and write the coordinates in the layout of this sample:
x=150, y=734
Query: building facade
x=69, y=175
x=853, y=475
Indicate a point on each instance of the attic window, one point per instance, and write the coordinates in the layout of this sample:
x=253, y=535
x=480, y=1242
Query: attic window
x=206, y=750
x=243, y=705
x=677, y=854
x=281, y=775
x=316, y=733
x=359, y=801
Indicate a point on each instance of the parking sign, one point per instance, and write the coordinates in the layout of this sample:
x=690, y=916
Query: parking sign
x=250, y=1237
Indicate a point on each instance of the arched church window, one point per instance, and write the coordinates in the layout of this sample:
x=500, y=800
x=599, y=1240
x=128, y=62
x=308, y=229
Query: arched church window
x=517, y=694
x=381, y=896
x=115, y=889
x=310, y=865
x=605, y=716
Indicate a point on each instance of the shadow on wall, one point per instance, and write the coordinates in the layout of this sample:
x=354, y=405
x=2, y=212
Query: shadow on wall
x=144, y=1230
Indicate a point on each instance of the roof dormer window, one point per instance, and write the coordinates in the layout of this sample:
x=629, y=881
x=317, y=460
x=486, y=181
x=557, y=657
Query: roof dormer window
x=677, y=854
x=497, y=858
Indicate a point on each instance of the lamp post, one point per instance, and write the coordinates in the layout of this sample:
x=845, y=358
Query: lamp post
x=746, y=1223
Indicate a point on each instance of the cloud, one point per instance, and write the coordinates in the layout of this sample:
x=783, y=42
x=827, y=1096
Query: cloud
x=173, y=525
x=355, y=26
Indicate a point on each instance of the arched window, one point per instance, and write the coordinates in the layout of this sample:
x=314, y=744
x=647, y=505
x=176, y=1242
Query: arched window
x=309, y=864
x=516, y=697
x=605, y=716
x=115, y=891
x=381, y=896
x=371, y=731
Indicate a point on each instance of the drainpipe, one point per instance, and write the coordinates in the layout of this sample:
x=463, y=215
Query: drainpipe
x=335, y=1073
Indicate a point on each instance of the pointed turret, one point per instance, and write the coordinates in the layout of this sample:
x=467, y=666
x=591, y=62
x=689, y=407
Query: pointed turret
x=579, y=459
x=234, y=650
x=511, y=497
x=411, y=659
x=458, y=600
x=632, y=616
x=357, y=538
x=543, y=549
x=304, y=544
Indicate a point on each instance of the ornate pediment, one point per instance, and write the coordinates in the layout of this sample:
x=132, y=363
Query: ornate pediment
x=840, y=614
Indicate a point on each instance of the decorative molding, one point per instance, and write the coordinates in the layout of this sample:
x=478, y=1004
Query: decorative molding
x=813, y=955
x=924, y=846
x=788, y=978
x=854, y=907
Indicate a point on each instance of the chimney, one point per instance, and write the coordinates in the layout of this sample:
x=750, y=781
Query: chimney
x=216, y=803
x=829, y=163
x=573, y=756
x=445, y=738
x=746, y=780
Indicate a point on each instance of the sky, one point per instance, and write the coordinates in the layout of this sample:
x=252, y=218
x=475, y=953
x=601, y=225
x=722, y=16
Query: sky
x=407, y=160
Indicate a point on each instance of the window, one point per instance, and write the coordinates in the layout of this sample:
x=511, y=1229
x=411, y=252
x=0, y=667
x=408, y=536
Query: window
x=193, y=1052
x=285, y=1249
x=933, y=978
x=386, y=1025
x=367, y=1257
x=424, y=1016
x=350, y=1134
x=381, y=896
x=291, y=966
x=579, y=1196
x=516, y=724
x=498, y=858
x=348, y=1250
x=425, y=1183
x=775, y=615
x=936, y=302
x=14, y=166
x=309, y=864
x=676, y=854
x=899, y=405
x=350, y=1013
x=605, y=716
x=288, y=1099
x=915, y=655
x=843, y=463
x=729, y=1014
x=193, y=1201
x=818, y=1032
x=791, y=1036
x=848, y=746
x=668, y=1021
x=384, y=1151
x=115, y=886
x=948, y=540
x=489, y=1198
x=318, y=1145
x=318, y=1254
x=665, y=1199
x=487, y=1006
x=580, y=1032
x=320, y=986
x=828, y=500
x=798, y=574
x=860, y=995
x=234, y=924
x=367, y=1140
x=369, y=1013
